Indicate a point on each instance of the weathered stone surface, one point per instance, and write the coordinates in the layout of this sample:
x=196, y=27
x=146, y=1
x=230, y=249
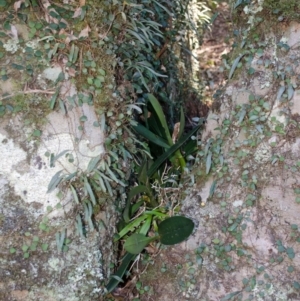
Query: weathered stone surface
x=268, y=208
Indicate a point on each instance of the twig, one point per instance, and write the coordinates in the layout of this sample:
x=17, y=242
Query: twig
x=27, y=92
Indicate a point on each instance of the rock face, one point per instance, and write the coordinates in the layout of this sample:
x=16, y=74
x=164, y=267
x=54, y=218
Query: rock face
x=43, y=257
x=246, y=245
x=32, y=267
x=248, y=230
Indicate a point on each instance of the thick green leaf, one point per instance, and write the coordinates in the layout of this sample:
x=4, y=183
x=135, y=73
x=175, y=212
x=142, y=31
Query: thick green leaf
x=137, y=242
x=175, y=230
x=75, y=196
x=93, y=163
x=170, y=151
x=56, y=179
x=151, y=136
x=161, y=116
x=112, y=284
x=88, y=188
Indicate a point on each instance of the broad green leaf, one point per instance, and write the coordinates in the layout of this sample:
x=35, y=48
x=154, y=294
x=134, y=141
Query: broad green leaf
x=136, y=243
x=234, y=65
x=112, y=284
x=150, y=136
x=175, y=229
x=170, y=151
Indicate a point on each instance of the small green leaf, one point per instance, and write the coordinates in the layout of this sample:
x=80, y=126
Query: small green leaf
x=25, y=248
x=37, y=133
x=35, y=238
x=290, y=269
x=45, y=247
x=290, y=252
x=216, y=241
x=12, y=250
x=296, y=285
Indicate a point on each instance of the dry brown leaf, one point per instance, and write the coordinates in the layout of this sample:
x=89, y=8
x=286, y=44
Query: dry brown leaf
x=18, y=4
x=84, y=32
x=72, y=72
x=77, y=12
x=69, y=38
x=14, y=32
x=81, y=2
